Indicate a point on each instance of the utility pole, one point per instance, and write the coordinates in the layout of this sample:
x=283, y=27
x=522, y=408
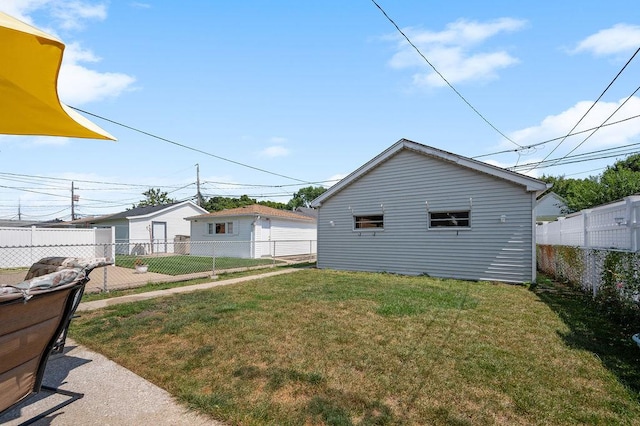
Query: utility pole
x=199, y=195
x=74, y=198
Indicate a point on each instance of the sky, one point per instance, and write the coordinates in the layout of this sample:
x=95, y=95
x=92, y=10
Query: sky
x=264, y=98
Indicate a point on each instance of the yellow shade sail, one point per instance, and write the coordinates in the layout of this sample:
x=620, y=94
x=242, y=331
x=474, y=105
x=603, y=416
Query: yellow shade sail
x=29, y=105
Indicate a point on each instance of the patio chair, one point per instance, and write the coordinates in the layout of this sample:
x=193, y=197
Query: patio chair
x=34, y=318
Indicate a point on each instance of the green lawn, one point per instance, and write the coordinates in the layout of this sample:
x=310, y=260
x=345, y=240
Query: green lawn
x=180, y=264
x=327, y=347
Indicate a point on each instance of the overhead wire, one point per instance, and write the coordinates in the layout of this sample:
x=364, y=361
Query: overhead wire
x=555, y=139
x=186, y=146
x=474, y=109
x=588, y=110
x=608, y=118
x=587, y=156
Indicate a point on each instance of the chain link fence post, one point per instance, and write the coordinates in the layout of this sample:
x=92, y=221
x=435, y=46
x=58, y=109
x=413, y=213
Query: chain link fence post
x=213, y=260
x=105, y=289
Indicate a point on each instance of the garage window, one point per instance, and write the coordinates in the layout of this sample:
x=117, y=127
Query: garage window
x=454, y=219
x=373, y=222
x=220, y=228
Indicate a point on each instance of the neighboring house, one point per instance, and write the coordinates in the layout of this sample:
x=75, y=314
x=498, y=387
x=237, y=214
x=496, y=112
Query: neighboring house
x=151, y=229
x=549, y=207
x=414, y=210
x=308, y=211
x=19, y=223
x=252, y=232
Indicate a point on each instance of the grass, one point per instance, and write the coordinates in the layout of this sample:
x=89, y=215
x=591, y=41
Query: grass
x=342, y=348
x=178, y=265
x=153, y=286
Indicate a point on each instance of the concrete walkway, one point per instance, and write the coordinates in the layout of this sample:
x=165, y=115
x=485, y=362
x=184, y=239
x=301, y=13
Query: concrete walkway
x=98, y=304
x=113, y=395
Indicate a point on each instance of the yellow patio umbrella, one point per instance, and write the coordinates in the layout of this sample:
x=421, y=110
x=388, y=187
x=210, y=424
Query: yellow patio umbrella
x=29, y=105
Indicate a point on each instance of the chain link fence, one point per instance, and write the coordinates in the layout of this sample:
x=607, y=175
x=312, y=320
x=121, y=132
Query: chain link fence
x=137, y=263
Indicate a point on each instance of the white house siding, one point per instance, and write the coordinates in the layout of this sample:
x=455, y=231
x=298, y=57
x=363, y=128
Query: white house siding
x=404, y=187
x=293, y=238
x=237, y=244
x=140, y=227
x=254, y=238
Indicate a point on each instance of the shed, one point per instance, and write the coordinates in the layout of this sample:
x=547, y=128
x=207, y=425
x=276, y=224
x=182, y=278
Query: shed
x=252, y=232
x=150, y=229
x=414, y=210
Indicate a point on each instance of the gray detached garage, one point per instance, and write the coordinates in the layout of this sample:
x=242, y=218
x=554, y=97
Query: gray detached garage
x=414, y=209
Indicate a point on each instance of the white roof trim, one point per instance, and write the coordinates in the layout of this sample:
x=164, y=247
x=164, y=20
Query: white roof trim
x=162, y=211
x=531, y=184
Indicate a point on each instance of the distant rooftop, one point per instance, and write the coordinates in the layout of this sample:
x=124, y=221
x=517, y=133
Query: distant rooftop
x=255, y=210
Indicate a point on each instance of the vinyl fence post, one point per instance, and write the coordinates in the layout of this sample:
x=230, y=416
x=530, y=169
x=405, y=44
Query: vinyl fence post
x=273, y=256
x=631, y=224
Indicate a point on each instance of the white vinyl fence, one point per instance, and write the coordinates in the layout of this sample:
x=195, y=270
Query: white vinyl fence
x=21, y=247
x=611, y=226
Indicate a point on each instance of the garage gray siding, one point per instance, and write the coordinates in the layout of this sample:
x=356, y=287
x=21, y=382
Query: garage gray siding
x=403, y=188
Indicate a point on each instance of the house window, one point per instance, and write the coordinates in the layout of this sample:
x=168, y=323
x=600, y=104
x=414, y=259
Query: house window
x=368, y=222
x=458, y=219
x=220, y=228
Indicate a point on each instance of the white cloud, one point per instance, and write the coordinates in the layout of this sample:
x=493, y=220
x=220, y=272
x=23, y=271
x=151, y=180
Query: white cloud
x=275, y=151
x=617, y=39
x=140, y=5
x=335, y=179
x=69, y=15
x=73, y=14
x=277, y=139
x=454, y=51
x=558, y=125
x=554, y=127
x=21, y=8
x=77, y=84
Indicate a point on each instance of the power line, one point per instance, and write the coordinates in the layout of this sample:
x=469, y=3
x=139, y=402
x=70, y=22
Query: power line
x=525, y=147
x=590, y=108
x=141, y=185
x=586, y=171
x=186, y=146
x=443, y=77
x=597, y=128
x=587, y=156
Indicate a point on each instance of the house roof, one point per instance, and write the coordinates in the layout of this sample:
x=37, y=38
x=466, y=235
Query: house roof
x=307, y=211
x=551, y=195
x=19, y=223
x=255, y=210
x=142, y=211
x=531, y=184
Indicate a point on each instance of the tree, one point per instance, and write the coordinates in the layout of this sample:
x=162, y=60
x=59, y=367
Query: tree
x=154, y=197
x=616, y=182
x=215, y=204
x=273, y=205
x=305, y=196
